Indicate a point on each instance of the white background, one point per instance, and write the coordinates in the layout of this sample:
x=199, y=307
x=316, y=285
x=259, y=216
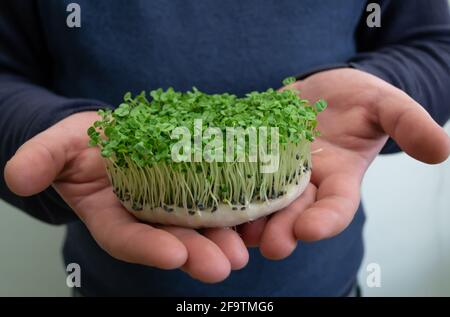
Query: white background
x=407, y=233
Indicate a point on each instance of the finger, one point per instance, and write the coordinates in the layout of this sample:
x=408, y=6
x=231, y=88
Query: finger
x=413, y=128
x=278, y=239
x=206, y=261
x=119, y=234
x=231, y=245
x=337, y=200
x=251, y=232
x=37, y=163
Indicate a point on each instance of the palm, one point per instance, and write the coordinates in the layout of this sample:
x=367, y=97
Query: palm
x=84, y=183
x=363, y=111
x=62, y=158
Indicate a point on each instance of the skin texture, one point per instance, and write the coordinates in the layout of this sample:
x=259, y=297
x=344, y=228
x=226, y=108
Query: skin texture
x=363, y=110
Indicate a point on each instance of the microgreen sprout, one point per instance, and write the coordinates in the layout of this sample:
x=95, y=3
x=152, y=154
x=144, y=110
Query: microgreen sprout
x=135, y=140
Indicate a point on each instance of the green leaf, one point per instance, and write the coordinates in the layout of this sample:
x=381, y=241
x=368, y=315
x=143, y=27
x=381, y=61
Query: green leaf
x=140, y=129
x=123, y=110
x=140, y=148
x=289, y=80
x=91, y=131
x=106, y=152
x=127, y=97
x=320, y=105
x=92, y=142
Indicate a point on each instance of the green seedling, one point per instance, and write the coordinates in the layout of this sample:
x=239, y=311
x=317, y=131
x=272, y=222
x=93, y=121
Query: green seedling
x=137, y=141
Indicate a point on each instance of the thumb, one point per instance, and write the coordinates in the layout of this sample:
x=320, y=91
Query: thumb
x=412, y=128
x=36, y=163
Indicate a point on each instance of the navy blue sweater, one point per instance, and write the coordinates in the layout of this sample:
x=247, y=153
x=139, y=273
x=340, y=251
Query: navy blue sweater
x=49, y=71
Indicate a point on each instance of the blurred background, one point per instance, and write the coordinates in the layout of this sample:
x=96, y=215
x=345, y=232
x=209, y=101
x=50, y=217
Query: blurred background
x=407, y=235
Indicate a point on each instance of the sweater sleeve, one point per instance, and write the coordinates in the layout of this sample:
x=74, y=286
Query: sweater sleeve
x=27, y=105
x=411, y=50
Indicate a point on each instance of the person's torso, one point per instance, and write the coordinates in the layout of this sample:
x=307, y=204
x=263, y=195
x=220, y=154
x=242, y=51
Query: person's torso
x=218, y=46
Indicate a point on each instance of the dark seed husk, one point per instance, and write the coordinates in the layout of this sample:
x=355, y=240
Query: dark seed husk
x=136, y=207
x=192, y=212
x=234, y=208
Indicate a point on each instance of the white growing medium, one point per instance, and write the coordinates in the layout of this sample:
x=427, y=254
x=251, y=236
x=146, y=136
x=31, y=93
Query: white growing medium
x=225, y=215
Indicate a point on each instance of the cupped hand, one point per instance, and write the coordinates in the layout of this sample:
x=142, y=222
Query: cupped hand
x=363, y=111
x=60, y=157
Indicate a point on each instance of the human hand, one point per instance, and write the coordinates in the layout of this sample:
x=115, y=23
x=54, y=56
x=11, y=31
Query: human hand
x=363, y=111
x=60, y=157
